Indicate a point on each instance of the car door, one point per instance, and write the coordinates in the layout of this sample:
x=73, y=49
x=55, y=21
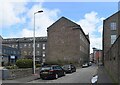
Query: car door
x=60, y=71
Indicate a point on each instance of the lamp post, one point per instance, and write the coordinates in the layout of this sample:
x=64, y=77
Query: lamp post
x=34, y=42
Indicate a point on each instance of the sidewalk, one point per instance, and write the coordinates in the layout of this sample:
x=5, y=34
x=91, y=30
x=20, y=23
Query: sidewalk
x=29, y=78
x=103, y=76
x=23, y=80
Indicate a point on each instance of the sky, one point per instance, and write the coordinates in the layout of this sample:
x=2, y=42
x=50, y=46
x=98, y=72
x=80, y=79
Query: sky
x=17, y=17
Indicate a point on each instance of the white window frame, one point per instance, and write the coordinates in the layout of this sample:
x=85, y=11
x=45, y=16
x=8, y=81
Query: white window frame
x=43, y=46
x=113, y=26
x=38, y=45
x=43, y=54
x=113, y=38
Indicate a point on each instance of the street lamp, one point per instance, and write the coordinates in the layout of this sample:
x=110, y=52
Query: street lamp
x=34, y=42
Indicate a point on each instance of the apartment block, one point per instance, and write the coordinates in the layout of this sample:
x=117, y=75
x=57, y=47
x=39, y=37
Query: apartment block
x=8, y=54
x=67, y=43
x=25, y=46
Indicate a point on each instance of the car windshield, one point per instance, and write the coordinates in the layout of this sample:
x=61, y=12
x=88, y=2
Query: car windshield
x=45, y=68
x=66, y=66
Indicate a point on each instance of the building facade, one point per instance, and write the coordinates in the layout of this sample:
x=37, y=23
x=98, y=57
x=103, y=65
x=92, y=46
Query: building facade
x=25, y=46
x=67, y=43
x=110, y=32
x=97, y=56
x=0, y=51
x=111, y=45
x=9, y=55
x=91, y=59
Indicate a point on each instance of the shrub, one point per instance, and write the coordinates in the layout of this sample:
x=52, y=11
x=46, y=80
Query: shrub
x=38, y=65
x=24, y=63
x=11, y=67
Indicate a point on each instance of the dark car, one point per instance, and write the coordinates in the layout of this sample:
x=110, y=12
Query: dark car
x=90, y=63
x=69, y=68
x=51, y=71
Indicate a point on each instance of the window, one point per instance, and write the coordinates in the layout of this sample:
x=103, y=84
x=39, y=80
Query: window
x=38, y=52
x=20, y=45
x=113, y=26
x=43, y=53
x=29, y=53
x=43, y=46
x=29, y=45
x=113, y=38
x=13, y=46
x=16, y=46
x=4, y=51
x=25, y=45
x=14, y=52
x=43, y=60
x=25, y=53
x=38, y=45
x=11, y=52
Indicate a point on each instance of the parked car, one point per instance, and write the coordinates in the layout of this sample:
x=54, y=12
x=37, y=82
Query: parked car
x=85, y=65
x=69, y=68
x=51, y=71
x=90, y=63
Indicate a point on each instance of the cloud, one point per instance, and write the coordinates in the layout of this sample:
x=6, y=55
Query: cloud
x=10, y=12
x=92, y=24
x=42, y=20
x=89, y=22
x=22, y=13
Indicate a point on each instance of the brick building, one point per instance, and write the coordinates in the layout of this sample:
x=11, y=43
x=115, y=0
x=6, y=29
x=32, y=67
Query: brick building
x=110, y=32
x=67, y=43
x=97, y=54
x=111, y=45
x=25, y=46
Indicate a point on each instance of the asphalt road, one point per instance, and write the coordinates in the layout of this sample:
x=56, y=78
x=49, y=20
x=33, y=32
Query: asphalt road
x=82, y=75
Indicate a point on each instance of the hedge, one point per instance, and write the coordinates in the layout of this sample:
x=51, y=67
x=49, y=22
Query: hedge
x=24, y=63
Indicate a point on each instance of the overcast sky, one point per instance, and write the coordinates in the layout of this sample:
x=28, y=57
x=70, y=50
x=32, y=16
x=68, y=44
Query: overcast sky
x=16, y=17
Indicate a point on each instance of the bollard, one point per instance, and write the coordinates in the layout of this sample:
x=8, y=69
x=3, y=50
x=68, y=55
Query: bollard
x=5, y=74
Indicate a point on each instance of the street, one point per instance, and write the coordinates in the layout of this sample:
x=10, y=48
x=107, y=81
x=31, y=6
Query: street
x=82, y=75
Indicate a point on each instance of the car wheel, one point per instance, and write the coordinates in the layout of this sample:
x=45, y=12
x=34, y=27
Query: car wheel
x=56, y=76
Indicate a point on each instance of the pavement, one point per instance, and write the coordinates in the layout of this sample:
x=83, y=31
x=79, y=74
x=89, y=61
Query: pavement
x=29, y=78
x=103, y=76
x=23, y=80
x=1, y=67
